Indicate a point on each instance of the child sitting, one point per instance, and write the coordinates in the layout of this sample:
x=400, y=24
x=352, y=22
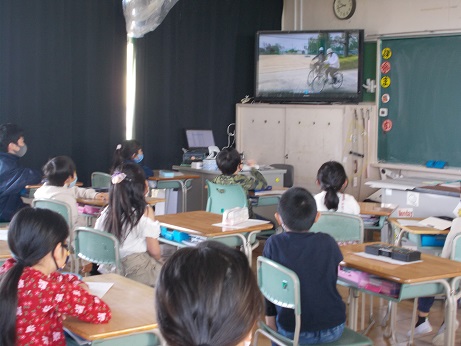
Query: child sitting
x=61, y=176
x=314, y=257
x=35, y=297
x=130, y=151
x=207, y=295
x=132, y=222
x=332, y=179
x=230, y=164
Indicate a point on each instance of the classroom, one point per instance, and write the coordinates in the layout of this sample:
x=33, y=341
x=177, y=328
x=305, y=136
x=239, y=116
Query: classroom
x=80, y=78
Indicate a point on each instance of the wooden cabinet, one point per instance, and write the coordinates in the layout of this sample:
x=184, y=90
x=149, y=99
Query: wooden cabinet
x=306, y=136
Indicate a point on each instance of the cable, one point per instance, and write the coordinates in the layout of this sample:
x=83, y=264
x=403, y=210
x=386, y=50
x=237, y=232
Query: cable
x=229, y=135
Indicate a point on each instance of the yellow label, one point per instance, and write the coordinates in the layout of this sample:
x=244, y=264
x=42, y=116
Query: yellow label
x=386, y=53
x=385, y=81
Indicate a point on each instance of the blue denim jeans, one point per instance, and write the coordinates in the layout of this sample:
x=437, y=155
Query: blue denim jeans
x=425, y=303
x=317, y=337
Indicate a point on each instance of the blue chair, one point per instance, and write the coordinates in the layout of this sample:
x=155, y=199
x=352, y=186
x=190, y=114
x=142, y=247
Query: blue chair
x=59, y=207
x=280, y=286
x=100, y=180
x=342, y=227
x=224, y=197
x=97, y=247
x=64, y=210
x=139, y=339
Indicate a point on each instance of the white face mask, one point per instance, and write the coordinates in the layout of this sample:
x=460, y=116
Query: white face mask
x=22, y=150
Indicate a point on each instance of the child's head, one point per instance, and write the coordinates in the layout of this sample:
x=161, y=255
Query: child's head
x=58, y=170
x=207, y=295
x=126, y=151
x=297, y=210
x=11, y=134
x=332, y=178
x=228, y=161
x=126, y=198
x=36, y=237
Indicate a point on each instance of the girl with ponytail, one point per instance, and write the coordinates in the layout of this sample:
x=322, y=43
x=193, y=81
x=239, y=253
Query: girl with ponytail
x=332, y=179
x=34, y=296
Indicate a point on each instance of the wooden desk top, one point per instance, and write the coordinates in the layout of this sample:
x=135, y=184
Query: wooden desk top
x=5, y=252
x=79, y=183
x=103, y=203
x=431, y=267
x=201, y=223
x=416, y=229
x=370, y=208
x=178, y=176
x=132, y=305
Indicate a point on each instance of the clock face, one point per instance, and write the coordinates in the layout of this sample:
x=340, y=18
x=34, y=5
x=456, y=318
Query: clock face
x=344, y=9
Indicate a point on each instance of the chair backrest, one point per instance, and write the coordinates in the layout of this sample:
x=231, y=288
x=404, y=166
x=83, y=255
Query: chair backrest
x=138, y=339
x=280, y=286
x=223, y=197
x=59, y=207
x=342, y=227
x=100, y=180
x=456, y=248
x=97, y=247
x=289, y=176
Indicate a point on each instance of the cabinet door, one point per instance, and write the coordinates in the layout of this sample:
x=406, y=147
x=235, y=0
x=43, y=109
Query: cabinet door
x=260, y=132
x=314, y=136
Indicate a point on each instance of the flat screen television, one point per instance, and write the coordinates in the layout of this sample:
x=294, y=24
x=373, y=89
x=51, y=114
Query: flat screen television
x=289, y=67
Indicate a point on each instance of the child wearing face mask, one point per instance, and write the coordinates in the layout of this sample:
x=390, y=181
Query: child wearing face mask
x=35, y=298
x=130, y=151
x=61, y=176
x=13, y=177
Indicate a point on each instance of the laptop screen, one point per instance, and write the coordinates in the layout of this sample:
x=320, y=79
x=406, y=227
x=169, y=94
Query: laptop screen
x=199, y=138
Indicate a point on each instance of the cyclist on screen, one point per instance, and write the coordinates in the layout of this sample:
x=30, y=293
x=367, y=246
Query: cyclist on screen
x=320, y=57
x=333, y=61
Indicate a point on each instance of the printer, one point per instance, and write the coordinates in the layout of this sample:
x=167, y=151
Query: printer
x=201, y=146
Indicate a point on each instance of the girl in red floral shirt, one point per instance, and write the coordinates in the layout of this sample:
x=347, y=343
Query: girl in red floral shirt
x=34, y=297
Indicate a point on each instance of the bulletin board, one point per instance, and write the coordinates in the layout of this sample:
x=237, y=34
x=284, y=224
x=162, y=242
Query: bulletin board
x=420, y=100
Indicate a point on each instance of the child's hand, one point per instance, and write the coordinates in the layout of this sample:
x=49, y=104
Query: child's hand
x=84, y=286
x=103, y=196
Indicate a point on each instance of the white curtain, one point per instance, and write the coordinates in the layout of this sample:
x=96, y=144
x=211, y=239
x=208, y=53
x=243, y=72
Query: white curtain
x=143, y=16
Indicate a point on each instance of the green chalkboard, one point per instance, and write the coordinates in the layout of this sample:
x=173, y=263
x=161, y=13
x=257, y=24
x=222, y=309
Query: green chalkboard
x=425, y=101
x=369, y=69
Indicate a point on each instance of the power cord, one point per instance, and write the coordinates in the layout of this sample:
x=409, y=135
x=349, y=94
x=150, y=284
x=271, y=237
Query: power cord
x=230, y=134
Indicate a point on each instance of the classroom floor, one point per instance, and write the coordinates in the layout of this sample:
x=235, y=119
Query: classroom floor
x=404, y=312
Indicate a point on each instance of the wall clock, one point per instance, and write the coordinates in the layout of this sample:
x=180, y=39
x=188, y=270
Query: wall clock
x=344, y=9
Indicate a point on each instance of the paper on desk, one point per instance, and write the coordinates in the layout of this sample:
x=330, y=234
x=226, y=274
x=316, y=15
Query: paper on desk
x=383, y=258
x=244, y=224
x=435, y=222
x=99, y=289
x=406, y=222
x=270, y=192
x=4, y=234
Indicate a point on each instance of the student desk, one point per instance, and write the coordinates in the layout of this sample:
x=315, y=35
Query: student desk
x=132, y=305
x=200, y=223
x=103, y=203
x=179, y=181
x=381, y=210
x=5, y=252
x=432, y=276
x=400, y=230
x=100, y=203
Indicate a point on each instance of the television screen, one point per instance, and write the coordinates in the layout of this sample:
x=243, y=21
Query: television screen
x=309, y=66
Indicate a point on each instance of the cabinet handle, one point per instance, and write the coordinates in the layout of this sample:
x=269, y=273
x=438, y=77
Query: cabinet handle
x=286, y=156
